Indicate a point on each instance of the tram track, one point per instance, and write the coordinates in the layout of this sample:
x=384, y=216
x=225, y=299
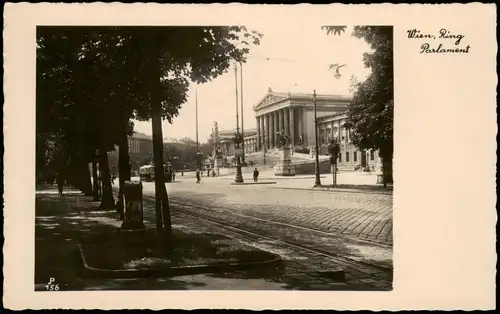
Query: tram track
x=202, y=212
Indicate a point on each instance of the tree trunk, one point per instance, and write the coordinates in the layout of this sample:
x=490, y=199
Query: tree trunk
x=163, y=223
x=386, y=167
x=123, y=166
x=86, y=181
x=107, y=200
x=95, y=180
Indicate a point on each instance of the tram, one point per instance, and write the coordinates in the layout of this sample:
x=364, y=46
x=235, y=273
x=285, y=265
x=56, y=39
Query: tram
x=147, y=172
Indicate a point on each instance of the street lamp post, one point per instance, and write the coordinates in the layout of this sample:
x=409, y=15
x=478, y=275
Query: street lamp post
x=317, y=181
x=238, y=139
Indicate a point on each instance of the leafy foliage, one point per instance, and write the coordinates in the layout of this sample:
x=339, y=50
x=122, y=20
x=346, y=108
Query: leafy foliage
x=371, y=111
x=336, y=30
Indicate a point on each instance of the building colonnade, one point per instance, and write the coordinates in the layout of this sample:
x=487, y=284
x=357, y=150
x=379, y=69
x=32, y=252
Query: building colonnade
x=269, y=124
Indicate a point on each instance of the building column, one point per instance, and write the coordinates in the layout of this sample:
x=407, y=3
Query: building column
x=287, y=121
x=300, y=113
x=276, y=126
x=257, y=119
x=270, y=131
x=292, y=125
x=271, y=128
x=267, y=131
x=262, y=134
x=280, y=119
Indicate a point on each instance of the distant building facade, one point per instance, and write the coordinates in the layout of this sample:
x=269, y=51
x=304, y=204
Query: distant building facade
x=140, y=148
x=350, y=157
x=227, y=145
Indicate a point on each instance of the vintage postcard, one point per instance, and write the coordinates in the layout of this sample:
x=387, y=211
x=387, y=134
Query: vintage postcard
x=249, y=156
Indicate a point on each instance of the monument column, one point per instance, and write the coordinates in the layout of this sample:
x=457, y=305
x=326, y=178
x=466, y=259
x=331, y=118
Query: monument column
x=292, y=126
x=257, y=119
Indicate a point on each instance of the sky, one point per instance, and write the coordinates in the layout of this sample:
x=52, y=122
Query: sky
x=299, y=56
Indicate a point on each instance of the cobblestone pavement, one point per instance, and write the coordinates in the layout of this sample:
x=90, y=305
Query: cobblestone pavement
x=301, y=269
x=366, y=216
x=63, y=222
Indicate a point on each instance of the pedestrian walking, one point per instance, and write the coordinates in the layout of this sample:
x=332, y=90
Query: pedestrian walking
x=255, y=175
x=208, y=172
x=173, y=175
x=198, y=176
x=60, y=183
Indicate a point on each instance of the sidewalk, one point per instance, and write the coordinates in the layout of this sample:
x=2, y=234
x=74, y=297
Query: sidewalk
x=64, y=222
x=346, y=181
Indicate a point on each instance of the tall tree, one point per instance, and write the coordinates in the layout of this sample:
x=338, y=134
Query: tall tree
x=175, y=56
x=371, y=112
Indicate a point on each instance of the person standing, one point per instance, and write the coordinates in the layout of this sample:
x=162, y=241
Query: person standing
x=255, y=175
x=198, y=176
x=60, y=183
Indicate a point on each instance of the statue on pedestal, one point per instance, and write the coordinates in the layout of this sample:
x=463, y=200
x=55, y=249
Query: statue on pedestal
x=284, y=166
x=283, y=139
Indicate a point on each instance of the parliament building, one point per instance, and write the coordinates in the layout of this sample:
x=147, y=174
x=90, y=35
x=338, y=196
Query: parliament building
x=294, y=113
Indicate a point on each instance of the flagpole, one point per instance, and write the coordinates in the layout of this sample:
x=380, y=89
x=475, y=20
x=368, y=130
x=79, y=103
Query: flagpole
x=242, y=128
x=197, y=142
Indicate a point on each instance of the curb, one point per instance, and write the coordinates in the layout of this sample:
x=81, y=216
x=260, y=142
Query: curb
x=251, y=183
x=348, y=190
x=174, y=271
x=280, y=178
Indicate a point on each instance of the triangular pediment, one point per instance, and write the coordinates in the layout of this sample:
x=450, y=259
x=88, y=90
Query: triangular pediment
x=269, y=99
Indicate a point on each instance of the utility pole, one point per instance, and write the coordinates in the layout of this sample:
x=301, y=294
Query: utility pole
x=317, y=182
x=236, y=89
x=197, y=143
x=242, y=128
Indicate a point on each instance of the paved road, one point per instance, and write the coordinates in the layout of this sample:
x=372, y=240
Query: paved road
x=360, y=215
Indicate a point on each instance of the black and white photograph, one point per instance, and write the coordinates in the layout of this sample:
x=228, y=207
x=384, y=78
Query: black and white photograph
x=249, y=156
x=219, y=158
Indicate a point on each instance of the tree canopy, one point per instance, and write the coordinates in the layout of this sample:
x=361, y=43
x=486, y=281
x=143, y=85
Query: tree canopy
x=371, y=112
x=91, y=81
x=88, y=77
